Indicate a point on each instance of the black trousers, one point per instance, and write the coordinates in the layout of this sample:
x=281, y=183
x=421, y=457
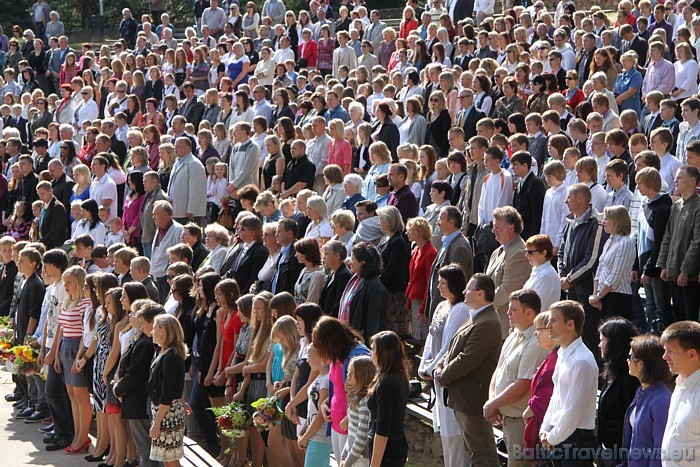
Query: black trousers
x=617, y=304
x=578, y=450
x=590, y=335
x=686, y=301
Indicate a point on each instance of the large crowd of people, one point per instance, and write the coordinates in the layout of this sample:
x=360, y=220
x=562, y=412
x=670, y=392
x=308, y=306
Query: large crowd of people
x=281, y=202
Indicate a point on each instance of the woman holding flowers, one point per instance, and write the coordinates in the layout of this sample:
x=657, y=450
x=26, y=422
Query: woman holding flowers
x=165, y=385
x=70, y=335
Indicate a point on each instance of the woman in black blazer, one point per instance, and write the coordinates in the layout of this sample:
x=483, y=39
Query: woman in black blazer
x=384, y=129
x=439, y=123
x=134, y=369
x=365, y=298
x=165, y=387
x=396, y=255
x=154, y=86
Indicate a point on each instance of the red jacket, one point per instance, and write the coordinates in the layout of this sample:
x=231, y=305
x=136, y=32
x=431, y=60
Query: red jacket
x=406, y=27
x=575, y=100
x=419, y=273
x=310, y=52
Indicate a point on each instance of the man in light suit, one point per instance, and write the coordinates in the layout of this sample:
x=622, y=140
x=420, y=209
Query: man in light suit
x=373, y=32
x=508, y=266
x=168, y=234
x=275, y=9
x=187, y=187
x=367, y=58
x=455, y=249
x=468, y=366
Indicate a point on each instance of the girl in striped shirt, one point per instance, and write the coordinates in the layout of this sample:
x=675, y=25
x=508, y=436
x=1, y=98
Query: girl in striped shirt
x=361, y=372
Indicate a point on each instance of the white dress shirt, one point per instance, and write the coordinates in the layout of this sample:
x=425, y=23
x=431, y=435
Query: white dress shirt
x=554, y=211
x=497, y=191
x=669, y=167
x=573, y=403
x=683, y=426
x=544, y=280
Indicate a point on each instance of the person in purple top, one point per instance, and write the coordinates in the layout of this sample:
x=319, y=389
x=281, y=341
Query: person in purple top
x=646, y=416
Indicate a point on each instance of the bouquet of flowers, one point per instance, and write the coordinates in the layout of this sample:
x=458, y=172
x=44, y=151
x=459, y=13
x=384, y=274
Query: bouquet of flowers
x=24, y=360
x=232, y=420
x=6, y=339
x=268, y=413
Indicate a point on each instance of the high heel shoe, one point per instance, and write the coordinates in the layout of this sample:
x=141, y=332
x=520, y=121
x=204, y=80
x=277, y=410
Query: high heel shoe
x=81, y=450
x=97, y=458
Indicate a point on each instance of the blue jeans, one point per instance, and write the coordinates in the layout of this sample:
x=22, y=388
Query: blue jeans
x=59, y=404
x=147, y=249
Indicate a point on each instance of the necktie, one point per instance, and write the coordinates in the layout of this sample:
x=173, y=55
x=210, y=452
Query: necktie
x=472, y=185
x=461, y=118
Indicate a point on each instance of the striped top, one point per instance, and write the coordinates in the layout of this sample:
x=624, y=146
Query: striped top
x=72, y=320
x=358, y=430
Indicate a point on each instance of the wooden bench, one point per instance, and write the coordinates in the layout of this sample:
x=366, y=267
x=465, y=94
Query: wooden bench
x=196, y=456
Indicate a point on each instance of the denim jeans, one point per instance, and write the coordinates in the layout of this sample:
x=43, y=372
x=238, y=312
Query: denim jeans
x=147, y=249
x=59, y=404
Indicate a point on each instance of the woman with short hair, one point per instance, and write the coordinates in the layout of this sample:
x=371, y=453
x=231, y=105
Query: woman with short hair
x=449, y=316
x=420, y=267
x=319, y=227
x=396, y=255
x=311, y=280
x=612, y=292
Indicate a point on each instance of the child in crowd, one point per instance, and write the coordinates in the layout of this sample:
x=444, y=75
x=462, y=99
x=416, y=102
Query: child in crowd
x=287, y=208
x=313, y=433
x=361, y=372
x=19, y=226
x=76, y=213
x=276, y=187
x=217, y=182
x=37, y=206
x=115, y=234
x=83, y=247
x=104, y=213
x=99, y=258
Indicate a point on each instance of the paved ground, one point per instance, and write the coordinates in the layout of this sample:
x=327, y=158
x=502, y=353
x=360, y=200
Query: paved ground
x=20, y=443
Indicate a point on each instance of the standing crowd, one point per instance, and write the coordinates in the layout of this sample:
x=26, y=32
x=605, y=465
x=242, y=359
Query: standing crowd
x=279, y=203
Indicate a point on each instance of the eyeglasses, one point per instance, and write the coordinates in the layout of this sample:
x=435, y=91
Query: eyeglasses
x=465, y=96
x=64, y=147
x=84, y=93
x=541, y=329
x=669, y=8
x=531, y=252
x=569, y=78
x=433, y=99
x=632, y=357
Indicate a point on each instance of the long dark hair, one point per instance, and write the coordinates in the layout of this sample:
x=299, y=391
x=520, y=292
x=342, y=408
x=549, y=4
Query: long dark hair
x=136, y=178
x=334, y=340
x=209, y=282
x=183, y=284
x=90, y=205
x=70, y=153
x=367, y=253
x=116, y=295
x=618, y=333
x=456, y=281
x=309, y=313
x=390, y=356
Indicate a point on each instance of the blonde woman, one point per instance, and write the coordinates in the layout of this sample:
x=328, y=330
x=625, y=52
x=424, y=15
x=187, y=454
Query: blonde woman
x=165, y=386
x=70, y=336
x=380, y=158
x=340, y=152
x=81, y=189
x=274, y=163
x=319, y=227
x=439, y=122
x=450, y=91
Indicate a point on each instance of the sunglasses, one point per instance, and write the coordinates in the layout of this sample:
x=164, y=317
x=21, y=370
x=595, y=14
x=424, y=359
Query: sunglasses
x=530, y=252
x=434, y=100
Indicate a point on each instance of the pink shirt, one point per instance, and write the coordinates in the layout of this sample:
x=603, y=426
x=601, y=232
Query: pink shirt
x=340, y=153
x=339, y=401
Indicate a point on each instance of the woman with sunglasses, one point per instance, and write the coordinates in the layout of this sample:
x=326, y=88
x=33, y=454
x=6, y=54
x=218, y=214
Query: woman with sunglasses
x=544, y=278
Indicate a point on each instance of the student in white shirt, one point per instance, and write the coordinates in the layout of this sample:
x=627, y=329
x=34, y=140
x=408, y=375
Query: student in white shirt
x=587, y=173
x=682, y=353
x=567, y=428
x=554, y=209
x=497, y=190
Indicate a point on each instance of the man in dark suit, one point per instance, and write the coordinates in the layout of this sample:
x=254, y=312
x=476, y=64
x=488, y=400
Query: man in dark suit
x=251, y=257
x=555, y=57
x=536, y=140
x=19, y=122
x=529, y=194
x=287, y=269
x=334, y=254
x=52, y=223
x=584, y=58
x=463, y=9
x=464, y=57
x=62, y=185
x=631, y=41
x=116, y=146
x=469, y=115
x=192, y=235
x=141, y=272
x=191, y=108
x=455, y=249
x=433, y=84
x=466, y=370
x=653, y=120
x=28, y=184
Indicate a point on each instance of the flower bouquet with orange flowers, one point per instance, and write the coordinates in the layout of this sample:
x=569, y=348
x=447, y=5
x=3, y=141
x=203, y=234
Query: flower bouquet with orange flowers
x=24, y=360
x=268, y=413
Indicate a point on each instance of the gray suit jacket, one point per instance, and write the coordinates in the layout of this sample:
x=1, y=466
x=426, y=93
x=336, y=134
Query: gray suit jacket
x=458, y=251
x=373, y=33
x=187, y=188
x=277, y=13
x=468, y=366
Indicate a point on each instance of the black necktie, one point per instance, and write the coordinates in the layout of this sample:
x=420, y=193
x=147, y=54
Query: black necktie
x=472, y=185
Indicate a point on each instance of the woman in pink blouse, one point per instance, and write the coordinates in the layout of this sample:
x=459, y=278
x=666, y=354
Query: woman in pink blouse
x=340, y=152
x=132, y=209
x=542, y=385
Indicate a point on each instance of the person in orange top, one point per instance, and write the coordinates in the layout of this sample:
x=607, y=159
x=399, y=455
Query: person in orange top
x=408, y=23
